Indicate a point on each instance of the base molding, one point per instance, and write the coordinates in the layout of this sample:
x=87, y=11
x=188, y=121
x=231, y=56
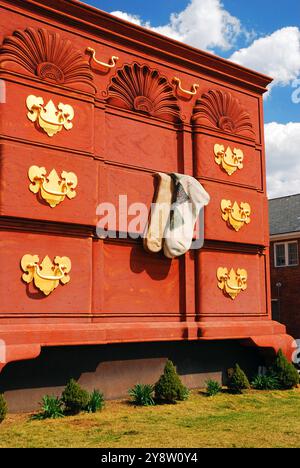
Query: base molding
x=270, y=344
x=24, y=341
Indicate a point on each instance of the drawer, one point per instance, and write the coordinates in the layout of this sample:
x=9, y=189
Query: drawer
x=76, y=131
x=216, y=159
x=130, y=192
x=215, y=302
x=20, y=297
x=141, y=143
x=131, y=282
x=235, y=214
x=16, y=199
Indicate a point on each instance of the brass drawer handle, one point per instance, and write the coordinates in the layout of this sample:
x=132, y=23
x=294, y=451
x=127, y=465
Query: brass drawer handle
x=48, y=277
x=113, y=59
x=42, y=273
x=52, y=188
x=236, y=216
x=54, y=192
x=232, y=283
x=194, y=88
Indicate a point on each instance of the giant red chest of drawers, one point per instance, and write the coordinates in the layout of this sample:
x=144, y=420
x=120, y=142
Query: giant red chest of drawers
x=112, y=123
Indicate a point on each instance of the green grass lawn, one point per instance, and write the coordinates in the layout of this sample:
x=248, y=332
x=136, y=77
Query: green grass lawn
x=254, y=419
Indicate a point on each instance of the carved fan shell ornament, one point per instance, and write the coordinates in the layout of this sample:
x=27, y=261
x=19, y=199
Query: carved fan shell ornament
x=141, y=89
x=222, y=110
x=48, y=56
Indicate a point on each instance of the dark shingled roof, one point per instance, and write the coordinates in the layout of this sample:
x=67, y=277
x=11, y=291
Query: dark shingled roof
x=284, y=214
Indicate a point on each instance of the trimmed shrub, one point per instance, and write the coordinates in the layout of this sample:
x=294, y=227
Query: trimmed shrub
x=213, y=387
x=142, y=395
x=184, y=393
x=169, y=387
x=51, y=407
x=75, y=398
x=237, y=380
x=265, y=382
x=96, y=402
x=285, y=372
x=3, y=408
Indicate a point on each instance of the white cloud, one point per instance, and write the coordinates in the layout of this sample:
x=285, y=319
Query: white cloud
x=276, y=55
x=131, y=18
x=203, y=23
x=206, y=24
x=283, y=158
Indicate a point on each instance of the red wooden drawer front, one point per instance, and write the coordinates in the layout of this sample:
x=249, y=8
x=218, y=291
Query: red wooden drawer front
x=206, y=167
x=212, y=302
x=15, y=123
x=125, y=189
x=129, y=281
x=17, y=200
x=18, y=297
x=218, y=229
x=141, y=143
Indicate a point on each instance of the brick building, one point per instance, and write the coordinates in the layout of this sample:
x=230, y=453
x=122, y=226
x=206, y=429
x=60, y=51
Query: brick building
x=285, y=261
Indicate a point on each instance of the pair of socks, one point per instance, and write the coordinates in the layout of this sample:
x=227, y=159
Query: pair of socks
x=179, y=199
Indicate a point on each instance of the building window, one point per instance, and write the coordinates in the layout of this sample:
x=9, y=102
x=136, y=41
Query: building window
x=286, y=254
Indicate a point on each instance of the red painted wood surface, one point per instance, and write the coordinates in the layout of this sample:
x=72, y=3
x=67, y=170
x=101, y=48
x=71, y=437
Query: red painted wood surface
x=131, y=282
x=218, y=229
x=206, y=167
x=18, y=201
x=19, y=298
x=118, y=292
x=214, y=303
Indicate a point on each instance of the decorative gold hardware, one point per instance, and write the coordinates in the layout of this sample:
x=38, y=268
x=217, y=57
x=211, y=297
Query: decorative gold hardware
x=236, y=216
x=194, y=88
x=47, y=275
x=232, y=283
x=49, y=117
x=53, y=189
x=229, y=160
x=112, y=62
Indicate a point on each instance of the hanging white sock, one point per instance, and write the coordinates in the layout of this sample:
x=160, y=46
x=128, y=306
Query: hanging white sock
x=160, y=211
x=188, y=200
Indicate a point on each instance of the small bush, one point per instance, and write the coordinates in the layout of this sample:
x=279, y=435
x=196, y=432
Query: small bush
x=142, y=395
x=213, y=387
x=237, y=380
x=3, y=408
x=75, y=398
x=265, y=382
x=96, y=402
x=285, y=372
x=51, y=407
x=184, y=393
x=169, y=387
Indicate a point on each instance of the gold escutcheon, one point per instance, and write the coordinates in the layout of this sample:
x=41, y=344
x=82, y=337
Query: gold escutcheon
x=232, y=282
x=48, y=117
x=229, y=160
x=235, y=216
x=52, y=188
x=45, y=275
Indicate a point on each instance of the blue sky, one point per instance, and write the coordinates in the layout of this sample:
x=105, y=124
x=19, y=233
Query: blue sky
x=261, y=34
